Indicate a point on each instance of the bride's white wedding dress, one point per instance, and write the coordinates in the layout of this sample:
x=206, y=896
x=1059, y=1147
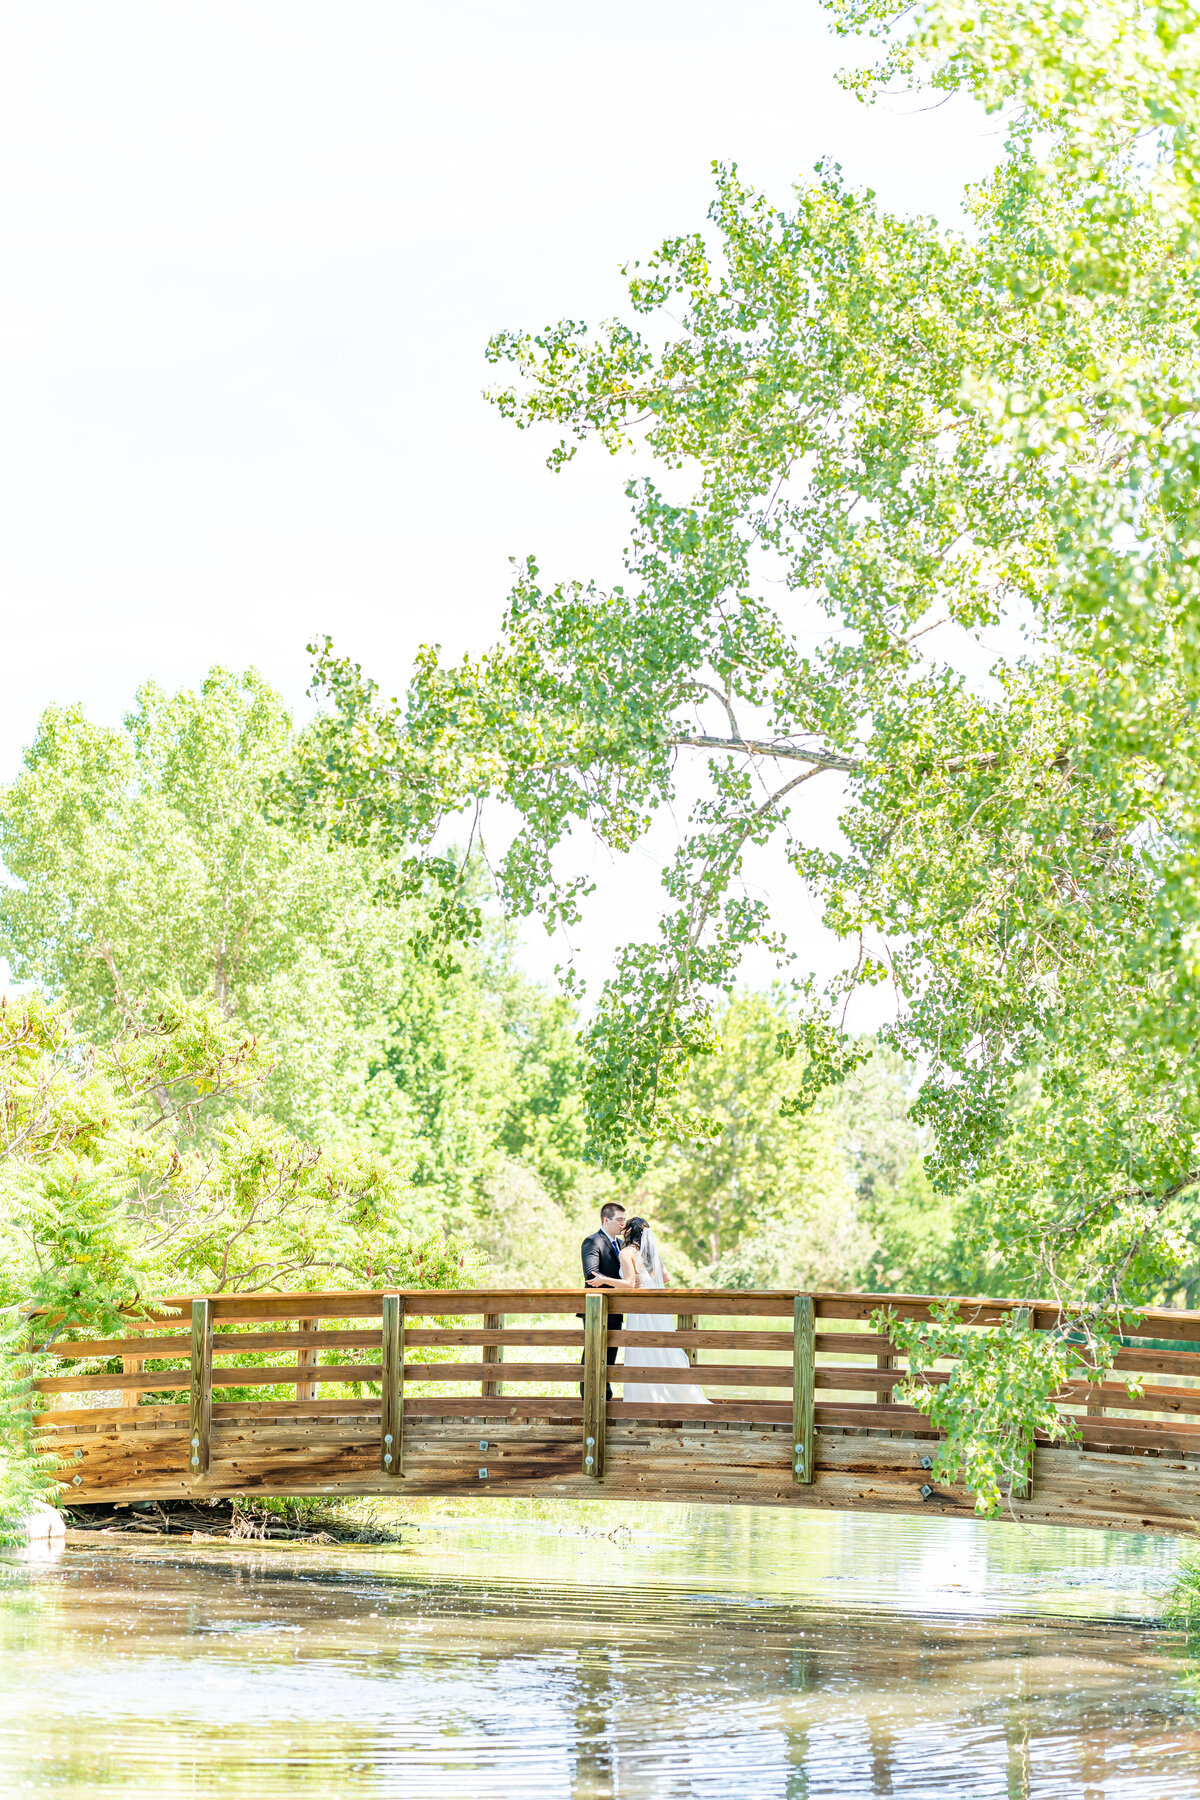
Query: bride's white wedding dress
x=649, y=1274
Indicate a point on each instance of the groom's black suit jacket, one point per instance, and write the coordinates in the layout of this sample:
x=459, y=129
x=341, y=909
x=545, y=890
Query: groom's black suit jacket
x=599, y=1258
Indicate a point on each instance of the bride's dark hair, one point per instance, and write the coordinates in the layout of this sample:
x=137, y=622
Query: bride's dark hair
x=632, y=1233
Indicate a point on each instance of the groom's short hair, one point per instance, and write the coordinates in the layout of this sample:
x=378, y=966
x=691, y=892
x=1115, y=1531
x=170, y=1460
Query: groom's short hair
x=609, y=1210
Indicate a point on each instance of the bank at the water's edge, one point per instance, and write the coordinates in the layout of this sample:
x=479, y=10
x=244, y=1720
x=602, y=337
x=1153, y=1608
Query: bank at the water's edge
x=601, y=1652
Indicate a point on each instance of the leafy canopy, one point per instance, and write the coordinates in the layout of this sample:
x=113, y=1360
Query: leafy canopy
x=857, y=439
x=763, y=1199
x=149, y=855
x=113, y=1199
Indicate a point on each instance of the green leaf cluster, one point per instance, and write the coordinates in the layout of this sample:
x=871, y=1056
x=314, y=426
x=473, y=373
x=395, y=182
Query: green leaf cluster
x=113, y=1199
x=762, y=1198
x=156, y=854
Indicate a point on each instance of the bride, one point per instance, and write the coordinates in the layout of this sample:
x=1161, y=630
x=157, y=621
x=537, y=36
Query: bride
x=641, y=1267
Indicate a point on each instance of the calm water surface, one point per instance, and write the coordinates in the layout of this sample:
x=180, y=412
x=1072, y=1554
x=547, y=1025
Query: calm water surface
x=579, y=1653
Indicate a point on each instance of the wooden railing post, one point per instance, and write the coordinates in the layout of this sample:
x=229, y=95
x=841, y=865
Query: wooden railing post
x=803, y=1388
x=307, y=1390
x=493, y=1353
x=883, y=1396
x=595, y=1382
x=687, y=1322
x=131, y=1365
x=1022, y=1488
x=200, y=1408
x=391, y=1412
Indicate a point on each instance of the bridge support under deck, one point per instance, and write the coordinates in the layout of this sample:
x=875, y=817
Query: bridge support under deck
x=722, y=1464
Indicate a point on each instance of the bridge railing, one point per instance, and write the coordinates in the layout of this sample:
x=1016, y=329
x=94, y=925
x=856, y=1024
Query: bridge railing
x=386, y=1359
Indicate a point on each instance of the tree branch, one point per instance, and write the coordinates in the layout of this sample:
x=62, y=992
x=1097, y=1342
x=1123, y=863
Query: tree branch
x=820, y=759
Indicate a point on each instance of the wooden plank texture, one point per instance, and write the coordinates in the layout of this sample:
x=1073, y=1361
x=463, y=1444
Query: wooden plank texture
x=476, y=1302
x=1137, y=1360
x=493, y=1352
x=391, y=1412
x=176, y=1380
x=803, y=1408
x=595, y=1381
x=1153, y=1322
x=1022, y=1487
x=307, y=1356
x=1134, y=1461
x=647, y=1463
x=131, y=1365
x=200, y=1388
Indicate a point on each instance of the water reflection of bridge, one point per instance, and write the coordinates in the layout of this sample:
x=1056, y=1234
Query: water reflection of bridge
x=424, y=1393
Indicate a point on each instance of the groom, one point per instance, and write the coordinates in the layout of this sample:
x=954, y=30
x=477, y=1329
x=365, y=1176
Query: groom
x=602, y=1256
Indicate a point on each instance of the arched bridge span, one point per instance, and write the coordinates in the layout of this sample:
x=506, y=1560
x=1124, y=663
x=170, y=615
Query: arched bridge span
x=452, y=1393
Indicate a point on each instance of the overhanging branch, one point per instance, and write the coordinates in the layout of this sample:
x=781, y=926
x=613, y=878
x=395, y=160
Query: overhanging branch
x=819, y=759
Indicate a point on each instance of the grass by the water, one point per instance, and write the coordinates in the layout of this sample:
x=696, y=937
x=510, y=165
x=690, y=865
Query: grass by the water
x=1182, y=1607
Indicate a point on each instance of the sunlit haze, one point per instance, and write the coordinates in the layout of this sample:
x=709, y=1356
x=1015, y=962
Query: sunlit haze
x=252, y=255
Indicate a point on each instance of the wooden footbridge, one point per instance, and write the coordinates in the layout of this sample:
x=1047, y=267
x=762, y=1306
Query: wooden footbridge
x=440, y=1393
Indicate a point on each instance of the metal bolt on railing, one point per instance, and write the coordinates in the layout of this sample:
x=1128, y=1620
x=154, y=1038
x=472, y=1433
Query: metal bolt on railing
x=483, y=1443
x=588, y=1461
x=483, y=1474
x=591, y=1444
x=387, y=1437
x=387, y=1456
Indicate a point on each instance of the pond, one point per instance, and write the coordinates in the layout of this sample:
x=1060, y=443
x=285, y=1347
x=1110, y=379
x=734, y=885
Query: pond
x=578, y=1652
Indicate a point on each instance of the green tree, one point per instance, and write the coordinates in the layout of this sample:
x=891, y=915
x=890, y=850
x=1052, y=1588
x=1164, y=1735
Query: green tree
x=924, y=1240
x=112, y=1198
x=762, y=1196
x=144, y=857
x=544, y=1124
x=900, y=429
x=147, y=855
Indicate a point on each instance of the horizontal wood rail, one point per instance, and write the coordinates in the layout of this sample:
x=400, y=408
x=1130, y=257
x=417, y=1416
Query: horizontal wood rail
x=783, y=1398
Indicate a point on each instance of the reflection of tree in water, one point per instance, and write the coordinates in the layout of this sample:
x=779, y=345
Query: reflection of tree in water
x=1095, y=1766
x=797, y=1772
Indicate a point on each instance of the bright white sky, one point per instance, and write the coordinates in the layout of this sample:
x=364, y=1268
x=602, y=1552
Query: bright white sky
x=252, y=252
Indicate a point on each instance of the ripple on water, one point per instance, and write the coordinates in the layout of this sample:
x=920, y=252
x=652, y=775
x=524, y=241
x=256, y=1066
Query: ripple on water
x=739, y=1655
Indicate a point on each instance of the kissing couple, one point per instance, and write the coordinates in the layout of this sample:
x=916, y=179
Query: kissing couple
x=624, y=1255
